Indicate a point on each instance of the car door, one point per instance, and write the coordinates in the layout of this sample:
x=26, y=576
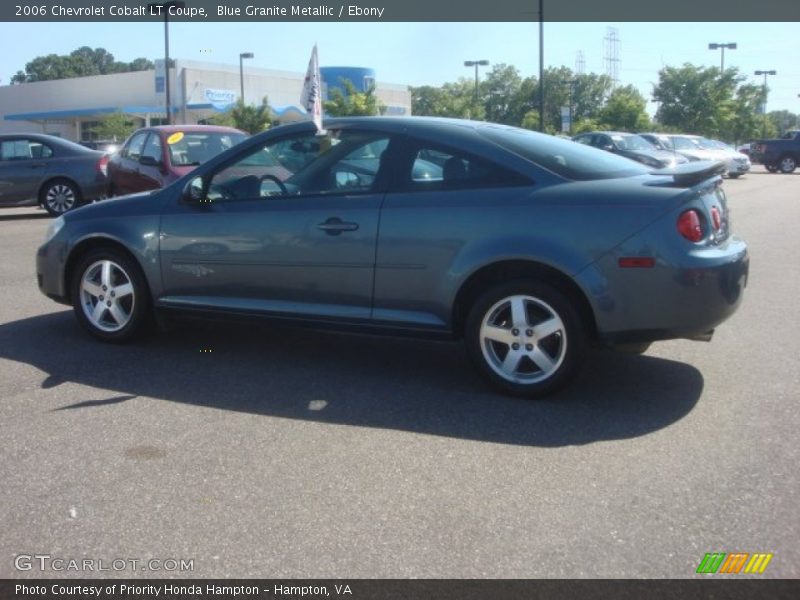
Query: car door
x=149, y=174
x=301, y=246
x=123, y=172
x=23, y=166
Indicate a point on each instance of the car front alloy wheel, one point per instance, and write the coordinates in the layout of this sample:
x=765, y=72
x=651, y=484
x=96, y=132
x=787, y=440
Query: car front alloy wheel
x=109, y=296
x=526, y=337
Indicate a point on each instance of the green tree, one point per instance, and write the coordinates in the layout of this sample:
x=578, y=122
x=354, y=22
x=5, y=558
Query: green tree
x=745, y=122
x=454, y=100
x=81, y=62
x=249, y=118
x=351, y=102
x=498, y=91
x=783, y=120
x=562, y=87
x=428, y=101
x=625, y=110
x=696, y=99
x=115, y=126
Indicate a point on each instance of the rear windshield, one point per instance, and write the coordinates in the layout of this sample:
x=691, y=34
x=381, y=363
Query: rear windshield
x=563, y=157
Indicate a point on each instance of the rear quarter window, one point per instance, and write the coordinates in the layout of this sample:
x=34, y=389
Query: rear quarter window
x=566, y=158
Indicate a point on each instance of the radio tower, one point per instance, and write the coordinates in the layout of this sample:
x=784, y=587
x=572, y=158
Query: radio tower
x=611, y=58
x=580, y=63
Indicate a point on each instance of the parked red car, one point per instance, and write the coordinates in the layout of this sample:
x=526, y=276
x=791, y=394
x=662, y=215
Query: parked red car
x=154, y=157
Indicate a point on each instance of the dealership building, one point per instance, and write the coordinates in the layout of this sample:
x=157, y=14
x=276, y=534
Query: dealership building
x=69, y=108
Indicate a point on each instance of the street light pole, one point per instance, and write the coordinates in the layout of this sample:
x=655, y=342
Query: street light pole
x=571, y=84
x=164, y=8
x=764, y=107
x=541, y=66
x=476, y=64
x=730, y=46
x=242, y=56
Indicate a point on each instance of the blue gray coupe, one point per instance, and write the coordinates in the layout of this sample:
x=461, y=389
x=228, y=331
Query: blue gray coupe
x=527, y=246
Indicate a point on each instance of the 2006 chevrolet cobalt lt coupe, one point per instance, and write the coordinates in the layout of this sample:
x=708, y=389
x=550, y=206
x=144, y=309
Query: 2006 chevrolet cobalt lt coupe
x=527, y=246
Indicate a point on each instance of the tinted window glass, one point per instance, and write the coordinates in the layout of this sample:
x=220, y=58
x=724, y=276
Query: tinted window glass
x=563, y=157
x=188, y=148
x=337, y=162
x=24, y=150
x=153, y=147
x=632, y=142
x=437, y=168
x=135, y=146
x=682, y=143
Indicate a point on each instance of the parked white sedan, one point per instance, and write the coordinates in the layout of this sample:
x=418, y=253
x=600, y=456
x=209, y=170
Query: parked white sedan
x=695, y=147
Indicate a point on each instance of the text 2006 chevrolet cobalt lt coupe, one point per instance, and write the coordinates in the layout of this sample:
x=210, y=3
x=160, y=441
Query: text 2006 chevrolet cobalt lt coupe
x=527, y=246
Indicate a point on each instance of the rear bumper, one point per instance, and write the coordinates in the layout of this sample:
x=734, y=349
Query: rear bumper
x=738, y=168
x=685, y=298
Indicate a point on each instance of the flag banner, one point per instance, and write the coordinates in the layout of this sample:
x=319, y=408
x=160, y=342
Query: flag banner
x=311, y=98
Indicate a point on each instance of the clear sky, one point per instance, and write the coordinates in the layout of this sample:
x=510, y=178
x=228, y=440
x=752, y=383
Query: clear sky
x=432, y=53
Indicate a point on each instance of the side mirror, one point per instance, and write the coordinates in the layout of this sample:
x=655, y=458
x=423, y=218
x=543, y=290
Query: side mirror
x=148, y=161
x=194, y=191
x=607, y=147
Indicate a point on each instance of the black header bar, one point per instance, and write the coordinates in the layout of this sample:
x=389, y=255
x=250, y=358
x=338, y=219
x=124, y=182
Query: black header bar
x=404, y=10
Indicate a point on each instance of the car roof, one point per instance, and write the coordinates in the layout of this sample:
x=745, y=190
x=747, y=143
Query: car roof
x=61, y=143
x=191, y=128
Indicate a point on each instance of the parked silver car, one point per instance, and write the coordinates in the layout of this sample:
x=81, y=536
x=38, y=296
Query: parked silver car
x=695, y=147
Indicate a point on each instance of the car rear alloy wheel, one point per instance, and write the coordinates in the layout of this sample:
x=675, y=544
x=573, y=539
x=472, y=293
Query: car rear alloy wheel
x=526, y=337
x=59, y=196
x=787, y=164
x=109, y=296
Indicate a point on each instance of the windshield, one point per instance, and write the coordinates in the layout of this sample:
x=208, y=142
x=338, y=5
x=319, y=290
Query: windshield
x=632, y=142
x=714, y=144
x=563, y=157
x=684, y=143
x=192, y=148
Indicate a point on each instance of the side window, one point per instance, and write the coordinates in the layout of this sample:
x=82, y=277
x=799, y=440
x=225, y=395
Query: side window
x=440, y=169
x=339, y=162
x=24, y=150
x=603, y=141
x=135, y=146
x=40, y=150
x=153, y=148
x=584, y=139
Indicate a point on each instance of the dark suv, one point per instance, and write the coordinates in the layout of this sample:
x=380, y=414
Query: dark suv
x=154, y=157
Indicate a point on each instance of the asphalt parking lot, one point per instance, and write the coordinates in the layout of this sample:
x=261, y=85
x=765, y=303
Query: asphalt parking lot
x=276, y=452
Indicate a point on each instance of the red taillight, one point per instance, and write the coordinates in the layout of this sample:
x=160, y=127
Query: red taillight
x=716, y=219
x=689, y=225
x=102, y=165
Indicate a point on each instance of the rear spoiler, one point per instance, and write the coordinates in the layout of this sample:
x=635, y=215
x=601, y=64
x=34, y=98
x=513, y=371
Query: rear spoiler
x=689, y=174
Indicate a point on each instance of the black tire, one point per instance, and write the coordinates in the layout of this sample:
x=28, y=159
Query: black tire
x=58, y=196
x=787, y=164
x=106, y=326
x=733, y=175
x=562, y=349
x=771, y=168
